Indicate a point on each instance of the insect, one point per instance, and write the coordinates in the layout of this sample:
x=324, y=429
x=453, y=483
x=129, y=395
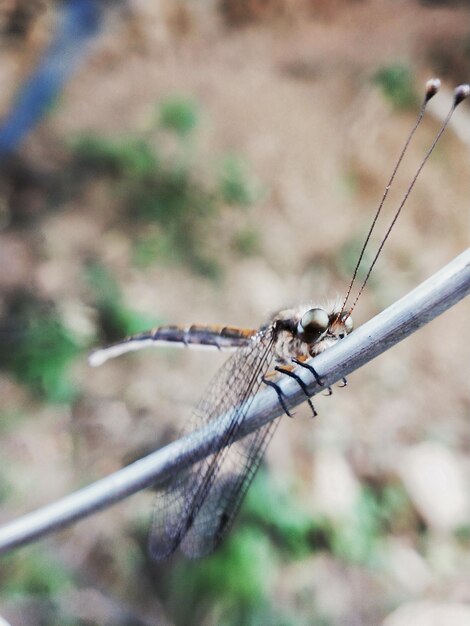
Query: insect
x=197, y=507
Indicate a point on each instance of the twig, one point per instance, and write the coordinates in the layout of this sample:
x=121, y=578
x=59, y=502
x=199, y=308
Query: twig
x=430, y=299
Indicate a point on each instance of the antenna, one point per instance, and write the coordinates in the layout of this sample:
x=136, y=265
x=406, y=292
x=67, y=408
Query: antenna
x=460, y=93
x=432, y=87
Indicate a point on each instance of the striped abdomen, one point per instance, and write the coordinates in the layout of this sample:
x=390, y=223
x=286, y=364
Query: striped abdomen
x=216, y=337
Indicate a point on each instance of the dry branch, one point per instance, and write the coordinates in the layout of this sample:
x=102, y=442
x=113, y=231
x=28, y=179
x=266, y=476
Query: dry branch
x=430, y=299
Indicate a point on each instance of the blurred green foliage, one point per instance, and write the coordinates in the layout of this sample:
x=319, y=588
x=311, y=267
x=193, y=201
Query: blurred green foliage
x=36, y=582
x=275, y=512
x=246, y=242
x=396, y=83
x=236, y=585
x=179, y=114
x=357, y=539
x=131, y=155
x=5, y=486
x=235, y=185
x=233, y=584
x=37, y=348
x=32, y=572
x=348, y=183
x=8, y=422
x=348, y=255
x=163, y=198
x=115, y=319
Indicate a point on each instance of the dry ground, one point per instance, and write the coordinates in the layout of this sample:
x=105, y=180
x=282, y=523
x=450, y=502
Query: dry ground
x=294, y=96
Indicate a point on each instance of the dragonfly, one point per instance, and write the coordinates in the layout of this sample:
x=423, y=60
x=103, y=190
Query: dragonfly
x=195, y=509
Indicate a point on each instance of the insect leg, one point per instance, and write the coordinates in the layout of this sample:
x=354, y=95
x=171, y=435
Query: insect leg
x=280, y=396
x=312, y=370
x=301, y=384
x=318, y=378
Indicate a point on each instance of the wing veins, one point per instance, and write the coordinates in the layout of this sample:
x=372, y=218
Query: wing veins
x=186, y=500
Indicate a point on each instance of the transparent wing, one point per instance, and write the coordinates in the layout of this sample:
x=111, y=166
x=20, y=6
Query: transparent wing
x=221, y=505
x=198, y=506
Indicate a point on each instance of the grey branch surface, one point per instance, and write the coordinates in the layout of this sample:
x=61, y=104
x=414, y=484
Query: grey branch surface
x=437, y=294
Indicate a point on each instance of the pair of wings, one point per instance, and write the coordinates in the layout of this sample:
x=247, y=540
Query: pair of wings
x=196, y=509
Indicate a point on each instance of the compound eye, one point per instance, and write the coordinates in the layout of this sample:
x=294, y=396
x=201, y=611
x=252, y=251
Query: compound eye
x=348, y=324
x=313, y=324
x=315, y=320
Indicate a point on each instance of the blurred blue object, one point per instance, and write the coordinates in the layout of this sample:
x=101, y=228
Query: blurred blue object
x=78, y=22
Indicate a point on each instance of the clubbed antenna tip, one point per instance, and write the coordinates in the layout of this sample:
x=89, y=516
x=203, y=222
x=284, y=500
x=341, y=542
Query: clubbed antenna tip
x=432, y=87
x=461, y=92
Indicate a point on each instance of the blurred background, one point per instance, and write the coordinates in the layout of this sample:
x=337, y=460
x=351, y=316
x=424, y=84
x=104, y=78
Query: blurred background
x=172, y=161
